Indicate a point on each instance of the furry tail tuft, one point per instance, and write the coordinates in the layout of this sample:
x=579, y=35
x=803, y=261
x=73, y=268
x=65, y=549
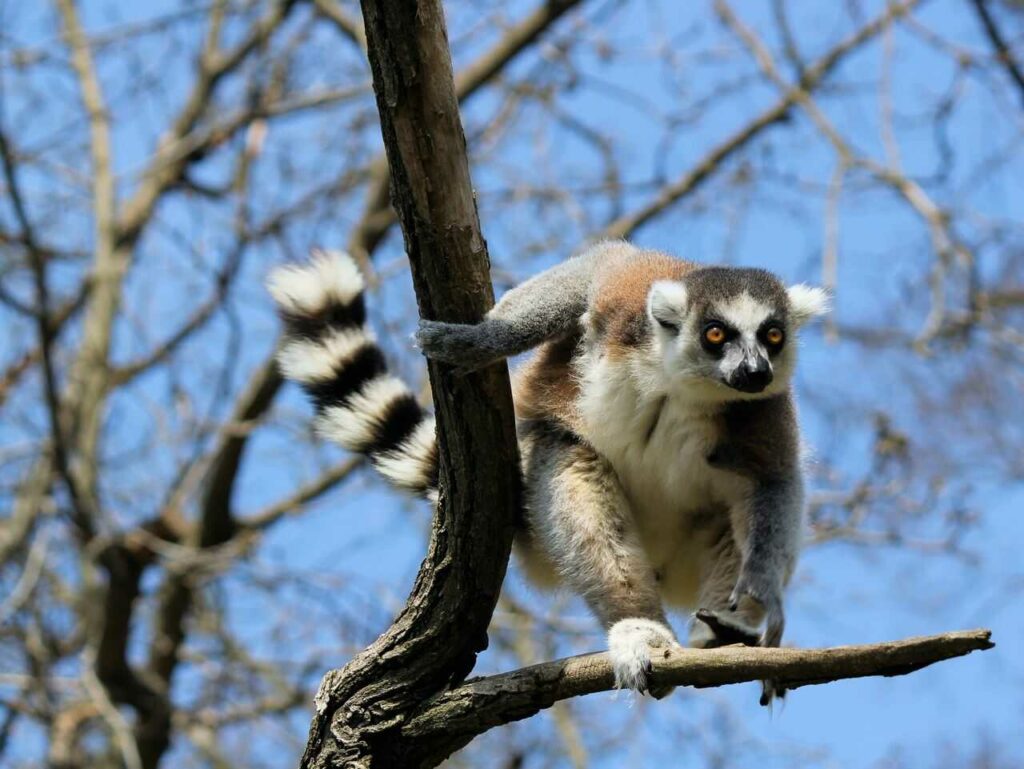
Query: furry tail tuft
x=329, y=351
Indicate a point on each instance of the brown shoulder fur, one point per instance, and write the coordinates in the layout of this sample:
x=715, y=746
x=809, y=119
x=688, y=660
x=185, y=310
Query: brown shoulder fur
x=618, y=313
x=546, y=387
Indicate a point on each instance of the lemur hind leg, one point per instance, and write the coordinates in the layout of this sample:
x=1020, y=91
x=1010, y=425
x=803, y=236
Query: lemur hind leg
x=578, y=514
x=715, y=624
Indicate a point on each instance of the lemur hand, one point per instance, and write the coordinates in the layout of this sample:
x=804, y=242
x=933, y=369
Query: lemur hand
x=766, y=589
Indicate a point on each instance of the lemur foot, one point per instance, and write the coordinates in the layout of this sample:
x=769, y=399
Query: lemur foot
x=712, y=630
x=770, y=692
x=632, y=643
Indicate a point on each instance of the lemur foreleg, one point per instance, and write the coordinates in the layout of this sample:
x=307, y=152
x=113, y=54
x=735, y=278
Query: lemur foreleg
x=767, y=529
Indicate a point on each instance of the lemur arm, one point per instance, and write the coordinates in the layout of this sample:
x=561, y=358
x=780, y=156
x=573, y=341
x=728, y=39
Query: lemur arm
x=761, y=446
x=547, y=306
x=769, y=527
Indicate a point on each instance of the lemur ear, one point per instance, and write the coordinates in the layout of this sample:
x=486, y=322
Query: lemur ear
x=806, y=302
x=666, y=302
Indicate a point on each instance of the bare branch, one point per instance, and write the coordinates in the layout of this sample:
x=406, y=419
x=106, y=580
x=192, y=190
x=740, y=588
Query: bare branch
x=58, y=318
x=515, y=40
x=350, y=27
x=812, y=77
x=88, y=377
x=1003, y=52
x=168, y=163
x=302, y=496
x=453, y=718
x=944, y=240
x=114, y=718
x=379, y=216
x=217, y=523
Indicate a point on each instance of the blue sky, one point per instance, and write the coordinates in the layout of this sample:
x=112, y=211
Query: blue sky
x=345, y=566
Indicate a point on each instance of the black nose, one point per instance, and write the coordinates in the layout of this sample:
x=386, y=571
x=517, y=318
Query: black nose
x=752, y=377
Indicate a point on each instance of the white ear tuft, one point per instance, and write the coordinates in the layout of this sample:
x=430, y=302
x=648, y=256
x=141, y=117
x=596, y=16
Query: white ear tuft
x=806, y=302
x=667, y=301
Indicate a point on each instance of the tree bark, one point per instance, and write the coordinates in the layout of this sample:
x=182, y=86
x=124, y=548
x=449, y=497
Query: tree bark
x=433, y=643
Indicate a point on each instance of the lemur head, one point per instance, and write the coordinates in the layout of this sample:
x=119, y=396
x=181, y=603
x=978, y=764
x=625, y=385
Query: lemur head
x=731, y=328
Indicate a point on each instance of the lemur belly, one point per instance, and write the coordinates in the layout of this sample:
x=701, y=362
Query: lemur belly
x=658, y=447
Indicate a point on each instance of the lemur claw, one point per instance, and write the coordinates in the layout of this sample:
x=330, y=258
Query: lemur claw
x=771, y=691
x=433, y=337
x=765, y=593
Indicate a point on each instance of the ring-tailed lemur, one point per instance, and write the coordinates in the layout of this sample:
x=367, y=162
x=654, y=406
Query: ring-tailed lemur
x=660, y=444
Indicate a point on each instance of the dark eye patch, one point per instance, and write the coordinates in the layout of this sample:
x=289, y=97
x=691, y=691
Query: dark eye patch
x=668, y=325
x=766, y=327
x=730, y=332
x=716, y=349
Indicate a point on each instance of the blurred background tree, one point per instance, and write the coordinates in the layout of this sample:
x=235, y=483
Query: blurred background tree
x=180, y=559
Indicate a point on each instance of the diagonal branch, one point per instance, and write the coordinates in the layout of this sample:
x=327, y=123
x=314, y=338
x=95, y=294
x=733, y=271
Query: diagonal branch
x=349, y=26
x=516, y=38
x=294, y=502
x=168, y=163
x=1002, y=48
x=58, y=319
x=813, y=76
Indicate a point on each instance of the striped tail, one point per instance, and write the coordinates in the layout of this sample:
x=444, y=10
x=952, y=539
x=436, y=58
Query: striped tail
x=329, y=351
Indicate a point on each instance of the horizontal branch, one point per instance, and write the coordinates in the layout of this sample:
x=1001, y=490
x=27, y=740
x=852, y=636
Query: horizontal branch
x=483, y=703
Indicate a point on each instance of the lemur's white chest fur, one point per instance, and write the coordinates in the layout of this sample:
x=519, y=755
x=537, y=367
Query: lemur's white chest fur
x=658, y=442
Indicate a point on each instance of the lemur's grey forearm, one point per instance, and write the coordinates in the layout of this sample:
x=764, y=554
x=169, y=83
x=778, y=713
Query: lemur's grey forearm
x=774, y=517
x=547, y=306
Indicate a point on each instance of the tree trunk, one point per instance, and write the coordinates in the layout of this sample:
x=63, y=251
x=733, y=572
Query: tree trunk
x=433, y=643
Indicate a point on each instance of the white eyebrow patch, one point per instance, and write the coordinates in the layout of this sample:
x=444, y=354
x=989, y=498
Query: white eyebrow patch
x=744, y=313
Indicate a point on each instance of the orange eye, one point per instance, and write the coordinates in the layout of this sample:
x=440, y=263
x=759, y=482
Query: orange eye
x=774, y=335
x=714, y=334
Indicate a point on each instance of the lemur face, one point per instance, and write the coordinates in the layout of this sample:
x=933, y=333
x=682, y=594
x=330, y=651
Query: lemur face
x=732, y=329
